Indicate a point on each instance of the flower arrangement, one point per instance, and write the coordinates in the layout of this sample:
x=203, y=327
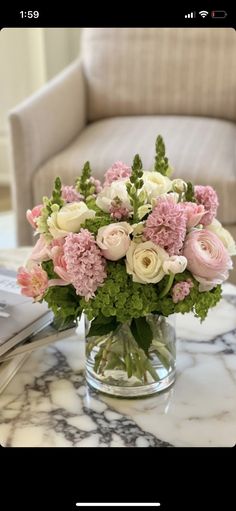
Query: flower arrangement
x=139, y=244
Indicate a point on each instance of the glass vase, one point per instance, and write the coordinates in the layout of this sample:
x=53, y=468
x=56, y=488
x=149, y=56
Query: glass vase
x=117, y=365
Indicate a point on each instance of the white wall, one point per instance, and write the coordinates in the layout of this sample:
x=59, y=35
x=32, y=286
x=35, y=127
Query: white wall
x=28, y=58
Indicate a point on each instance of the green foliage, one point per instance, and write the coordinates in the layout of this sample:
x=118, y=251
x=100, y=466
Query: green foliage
x=161, y=160
x=197, y=302
x=93, y=224
x=48, y=267
x=64, y=303
x=83, y=184
x=142, y=333
x=189, y=194
x=102, y=325
x=56, y=193
x=134, y=185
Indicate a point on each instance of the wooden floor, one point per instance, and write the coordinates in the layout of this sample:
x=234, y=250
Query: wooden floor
x=5, y=198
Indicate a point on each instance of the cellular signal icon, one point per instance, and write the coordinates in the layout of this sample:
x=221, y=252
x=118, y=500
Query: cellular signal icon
x=190, y=15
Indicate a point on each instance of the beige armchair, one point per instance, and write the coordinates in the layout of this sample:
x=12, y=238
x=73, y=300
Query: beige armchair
x=129, y=86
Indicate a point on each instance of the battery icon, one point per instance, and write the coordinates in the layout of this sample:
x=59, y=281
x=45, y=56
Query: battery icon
x=218, y=14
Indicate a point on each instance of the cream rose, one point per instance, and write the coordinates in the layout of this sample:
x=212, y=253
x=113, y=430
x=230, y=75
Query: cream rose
x=155, y=184
x=109, y=193
x=144, y=261
x=114, y=240
x=69, y=219
x=224, y=236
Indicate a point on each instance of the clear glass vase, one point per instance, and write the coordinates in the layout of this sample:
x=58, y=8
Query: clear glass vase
x=117, y=365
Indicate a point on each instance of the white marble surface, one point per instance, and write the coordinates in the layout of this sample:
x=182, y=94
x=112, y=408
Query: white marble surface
x=49, y=404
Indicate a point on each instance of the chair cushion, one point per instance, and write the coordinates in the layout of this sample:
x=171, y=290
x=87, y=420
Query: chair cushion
x=200, y=149
x=146, y=71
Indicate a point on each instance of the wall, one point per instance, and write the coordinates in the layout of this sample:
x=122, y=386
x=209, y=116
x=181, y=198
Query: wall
x=28, y=58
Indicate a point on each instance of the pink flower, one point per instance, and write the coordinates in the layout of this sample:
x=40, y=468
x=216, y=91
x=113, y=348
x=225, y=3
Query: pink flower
x=207, y=196
x=70, y=194
x=116, y=172
x=208, y=259
x=97, y=184
x=117, y=210
x=114, y=240
x=33, y=214
x=166, y=225
x=194, y=213
x=84, y=263
x=58, y=258
x=181, y=290
x=33, y=283
x=40, y=251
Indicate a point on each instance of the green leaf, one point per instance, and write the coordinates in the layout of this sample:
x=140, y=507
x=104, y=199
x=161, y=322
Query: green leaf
x=142, y=333
x=102, y=325
x=48, y=267
x=189, y=194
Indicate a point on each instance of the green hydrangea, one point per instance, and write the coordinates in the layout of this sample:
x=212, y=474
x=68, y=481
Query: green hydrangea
x=121, y=297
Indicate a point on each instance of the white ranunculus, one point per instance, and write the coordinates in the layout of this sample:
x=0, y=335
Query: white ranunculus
x=69, y=219
x=109, y=193
x=144, y=261
x=114, y=240
x=224, y=235
x=179, y=186
x=175, y=264
x=155, y=184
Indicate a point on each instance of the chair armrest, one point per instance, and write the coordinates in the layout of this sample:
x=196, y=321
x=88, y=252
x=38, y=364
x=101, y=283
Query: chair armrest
x=40, y=127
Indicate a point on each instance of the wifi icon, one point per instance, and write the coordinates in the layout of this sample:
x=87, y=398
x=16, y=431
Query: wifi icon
x=203, y=14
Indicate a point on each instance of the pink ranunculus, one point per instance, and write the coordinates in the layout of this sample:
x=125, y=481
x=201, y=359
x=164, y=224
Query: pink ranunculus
x=114, y=240
x=194, y=213
x=208, y=259
x=40, y=251
x=58, y=258
x=33, y=214
x=34, y=282
x=180, y=290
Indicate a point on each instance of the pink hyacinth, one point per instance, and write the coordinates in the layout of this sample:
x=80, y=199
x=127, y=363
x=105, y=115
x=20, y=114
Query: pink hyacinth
x=33, y=283
x=117, y=171
x=166, y=226
x=85, y=263
x=33, y=214
x=70, y=194
x=181, y=290
x=58, y=259
x=207, y=196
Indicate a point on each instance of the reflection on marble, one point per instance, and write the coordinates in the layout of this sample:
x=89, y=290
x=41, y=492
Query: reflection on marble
x=49, y=404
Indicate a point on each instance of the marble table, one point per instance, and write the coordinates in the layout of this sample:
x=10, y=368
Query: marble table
x=48, y=403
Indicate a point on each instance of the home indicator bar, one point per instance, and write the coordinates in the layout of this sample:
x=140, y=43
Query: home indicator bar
x=118, y=504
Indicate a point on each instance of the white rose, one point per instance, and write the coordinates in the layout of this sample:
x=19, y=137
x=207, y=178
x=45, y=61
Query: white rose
x=155, y=184
x=69, y=219
x=175, y=264
x=114, y=240
x=144, y=261
x=109, y=193
x=224, y=235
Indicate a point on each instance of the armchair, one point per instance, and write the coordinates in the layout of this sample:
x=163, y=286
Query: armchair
x=128, y=86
